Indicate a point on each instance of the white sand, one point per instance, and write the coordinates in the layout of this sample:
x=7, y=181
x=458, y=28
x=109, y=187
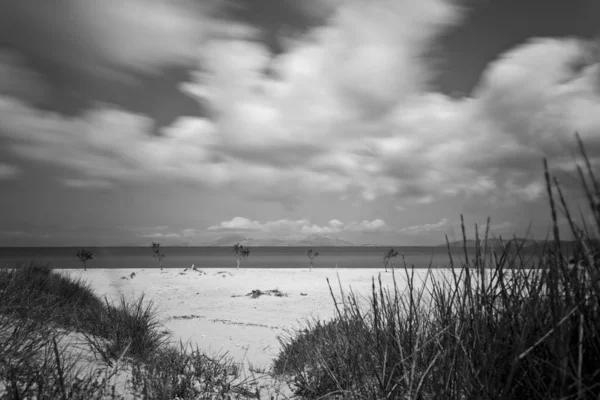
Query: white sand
x=198, y=306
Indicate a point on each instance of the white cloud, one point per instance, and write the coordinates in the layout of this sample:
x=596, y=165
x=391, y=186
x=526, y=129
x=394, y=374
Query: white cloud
x=238, y=223
x=334, y=223
x=158, y=235
x=426, y=228
x=302, y=226
x=346, y=110
x=366, y=226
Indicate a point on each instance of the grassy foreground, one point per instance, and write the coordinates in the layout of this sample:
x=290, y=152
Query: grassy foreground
x=500, y=325
x=128, y=355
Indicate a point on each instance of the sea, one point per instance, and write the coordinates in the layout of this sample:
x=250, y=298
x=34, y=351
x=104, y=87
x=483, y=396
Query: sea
x=223, y=257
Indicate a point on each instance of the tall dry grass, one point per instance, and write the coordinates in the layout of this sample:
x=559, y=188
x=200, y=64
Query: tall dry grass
x=39, y=308
x=503, y=324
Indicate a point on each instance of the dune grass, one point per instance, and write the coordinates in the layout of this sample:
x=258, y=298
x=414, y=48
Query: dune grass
x=501, y=325
x=38, y=310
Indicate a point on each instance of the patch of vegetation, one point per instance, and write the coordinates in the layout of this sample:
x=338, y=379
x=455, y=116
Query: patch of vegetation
x=84, y=256
x=240, y=252
x=38, y=309
x=186, y=373
x=130, y=327
x=256, y=293
x=33, y=291
x=157, y=253
x=500, y=325
x=311, y=257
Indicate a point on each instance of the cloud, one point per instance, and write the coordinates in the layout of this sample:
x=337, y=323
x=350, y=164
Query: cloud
x=237, y=223
x=111, y=37
x=505, y=226
x=157, y=232
x=441, y=225
x=158, y=235
x=87, y=183
x=296, y=227
x=8, y=171
x=345, y=111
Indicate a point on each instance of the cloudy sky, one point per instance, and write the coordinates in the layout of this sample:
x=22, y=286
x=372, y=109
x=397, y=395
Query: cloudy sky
x=378, y=122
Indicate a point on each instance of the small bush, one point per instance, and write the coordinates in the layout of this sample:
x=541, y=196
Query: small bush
x=130, y=327
x=35, y=291
x=187, y=373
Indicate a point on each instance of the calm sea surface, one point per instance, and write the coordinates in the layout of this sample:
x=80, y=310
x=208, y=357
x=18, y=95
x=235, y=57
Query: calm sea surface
x=222, y=257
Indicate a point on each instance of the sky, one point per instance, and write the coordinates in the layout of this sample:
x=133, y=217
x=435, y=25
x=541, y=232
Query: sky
x=124, y=122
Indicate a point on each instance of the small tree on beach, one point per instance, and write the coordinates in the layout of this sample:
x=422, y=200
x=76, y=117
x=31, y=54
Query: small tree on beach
x=157, y=253
x=388, y=258
x=311, y=257
x=84, y=256
x=240, y=252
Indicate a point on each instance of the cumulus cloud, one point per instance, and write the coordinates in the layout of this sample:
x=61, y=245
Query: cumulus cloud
x=301, y=226
x=109, y=144
x=345, y=110
x=335, y=107
x=426, y=228
x=160, y=235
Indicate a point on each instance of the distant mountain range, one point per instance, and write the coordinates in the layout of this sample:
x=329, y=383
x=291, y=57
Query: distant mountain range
x=495, y=242
x=313, y=240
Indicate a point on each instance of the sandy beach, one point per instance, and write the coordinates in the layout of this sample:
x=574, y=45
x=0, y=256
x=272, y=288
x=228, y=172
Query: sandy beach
x=211, y=307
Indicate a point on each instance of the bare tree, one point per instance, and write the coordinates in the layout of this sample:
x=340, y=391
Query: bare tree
x=157, y=253
x=388, y=258
x=84, y=256
x=240, y=252
x=311, y=257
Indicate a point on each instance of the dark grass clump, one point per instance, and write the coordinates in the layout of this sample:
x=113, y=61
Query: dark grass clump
x=130, y=327
x=36, y=363
x=39, y=308
x=506, y=324
x=320, y=360
x=186, y=373
x=34, y=291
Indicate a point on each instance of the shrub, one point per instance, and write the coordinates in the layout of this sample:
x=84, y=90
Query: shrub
x=130, y=327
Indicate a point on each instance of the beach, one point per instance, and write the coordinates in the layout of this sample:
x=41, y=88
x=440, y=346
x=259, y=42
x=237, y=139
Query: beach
x=212, y=308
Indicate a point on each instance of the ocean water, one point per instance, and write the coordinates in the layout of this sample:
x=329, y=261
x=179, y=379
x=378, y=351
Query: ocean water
x=223, y=257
